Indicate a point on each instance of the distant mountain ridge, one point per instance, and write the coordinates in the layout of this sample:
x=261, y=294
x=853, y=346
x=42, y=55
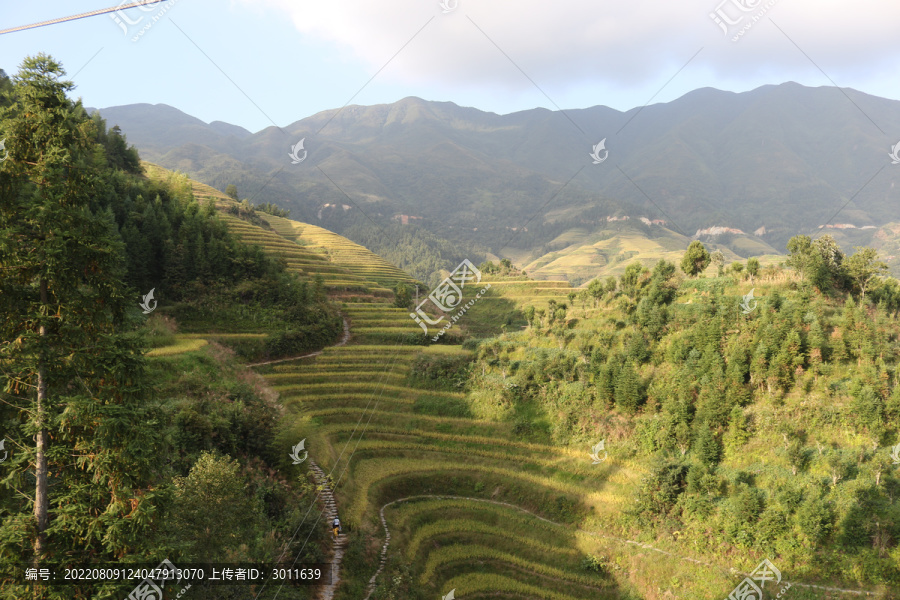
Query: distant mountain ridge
x=155, y=128
x=778, y=160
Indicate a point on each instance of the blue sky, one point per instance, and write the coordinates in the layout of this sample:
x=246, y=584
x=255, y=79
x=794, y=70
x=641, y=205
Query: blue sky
x=256, y=63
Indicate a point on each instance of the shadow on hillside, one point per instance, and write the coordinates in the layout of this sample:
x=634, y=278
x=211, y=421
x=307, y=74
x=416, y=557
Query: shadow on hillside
x=507, y=545
x=442, y=406
x=490, y=315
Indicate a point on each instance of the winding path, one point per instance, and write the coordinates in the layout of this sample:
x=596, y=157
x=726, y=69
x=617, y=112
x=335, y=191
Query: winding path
x=387, y=540
x=344, y=339
x=340, y=543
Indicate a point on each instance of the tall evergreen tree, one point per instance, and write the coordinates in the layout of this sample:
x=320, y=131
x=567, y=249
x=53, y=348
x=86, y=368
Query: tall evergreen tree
x=628, y=389
x=72, y=372
x=707, y=446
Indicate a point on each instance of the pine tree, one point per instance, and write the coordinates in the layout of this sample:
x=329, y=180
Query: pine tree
x=70, y=366
x=759, y=366
x=628, y=389
x=780, y=373
x=737, y=434
x=201, y=266
x=817, y=347
x=402, y=296
x=853, y=329
x=707, y=446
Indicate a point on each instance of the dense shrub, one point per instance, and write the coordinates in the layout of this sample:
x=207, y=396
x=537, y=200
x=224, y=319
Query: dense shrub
x=439, y=372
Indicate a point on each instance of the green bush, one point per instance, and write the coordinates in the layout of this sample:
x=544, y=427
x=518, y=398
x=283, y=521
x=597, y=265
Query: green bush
x=439, y=372
x=659, y=492
x=303, y=339
x=816, y=519
x=594, y=564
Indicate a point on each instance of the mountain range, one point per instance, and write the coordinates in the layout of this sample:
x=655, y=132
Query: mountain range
x=742, y=171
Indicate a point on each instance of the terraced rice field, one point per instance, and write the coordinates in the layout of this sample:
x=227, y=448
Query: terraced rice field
x=430, y=494
x=309, y=250
x=522, y=293
x=467, y=505
x=300, y=260
x=183, y=343
x=389, y=444
x=369, y=267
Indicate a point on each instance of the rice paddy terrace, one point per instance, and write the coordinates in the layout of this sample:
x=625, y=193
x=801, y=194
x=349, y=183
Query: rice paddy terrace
x=510, y=523
x=392, y=446
x=309, y=251
x=435, y=499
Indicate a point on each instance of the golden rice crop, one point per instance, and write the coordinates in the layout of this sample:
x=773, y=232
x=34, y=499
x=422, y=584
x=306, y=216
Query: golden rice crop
x=472, y=553
x=520, y=535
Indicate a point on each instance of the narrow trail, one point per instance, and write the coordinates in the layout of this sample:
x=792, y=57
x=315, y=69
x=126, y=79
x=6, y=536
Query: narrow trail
x=327, y=494
x=387, y=540
x=370, y=589
x=344, y=339
x=338, y=545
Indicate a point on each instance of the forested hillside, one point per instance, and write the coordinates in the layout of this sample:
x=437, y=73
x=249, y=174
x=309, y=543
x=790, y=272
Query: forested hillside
x=765, y=421
x=114, y=457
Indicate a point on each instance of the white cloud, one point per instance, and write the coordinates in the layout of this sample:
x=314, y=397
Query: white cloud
x=573, y=43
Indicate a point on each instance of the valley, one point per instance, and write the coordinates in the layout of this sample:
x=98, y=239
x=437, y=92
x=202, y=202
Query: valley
x=205, y=357
x=441, y=488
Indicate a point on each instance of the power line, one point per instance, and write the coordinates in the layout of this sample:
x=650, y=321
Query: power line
x=101, y=11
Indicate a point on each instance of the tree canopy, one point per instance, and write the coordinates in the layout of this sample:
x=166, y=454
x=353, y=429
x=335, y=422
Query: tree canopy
x=695, y=259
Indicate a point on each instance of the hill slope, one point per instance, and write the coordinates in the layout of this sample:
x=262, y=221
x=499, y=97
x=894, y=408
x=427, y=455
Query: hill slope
x=779, y=160
x=468, y=465
x=308, y=250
